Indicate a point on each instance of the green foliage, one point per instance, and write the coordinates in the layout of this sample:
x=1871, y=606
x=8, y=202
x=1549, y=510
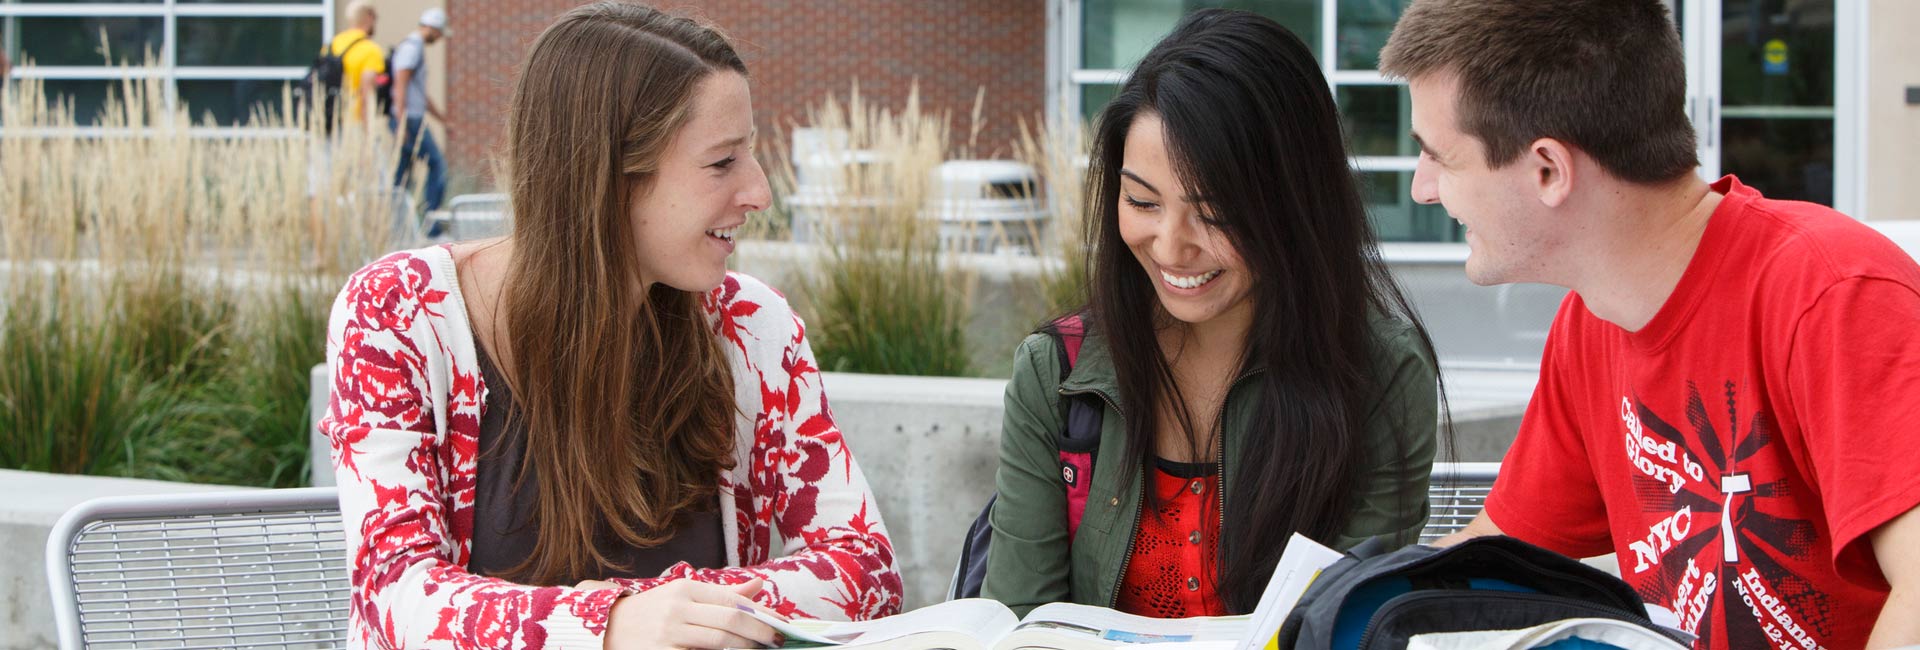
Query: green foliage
x=880, y=296
x=71, y=393
x=882, y=303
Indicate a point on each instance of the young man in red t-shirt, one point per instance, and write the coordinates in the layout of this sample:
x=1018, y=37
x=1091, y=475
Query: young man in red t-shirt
x=1728, y=396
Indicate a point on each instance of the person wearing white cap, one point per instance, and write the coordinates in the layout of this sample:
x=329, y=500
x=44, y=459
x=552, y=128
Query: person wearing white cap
x=411, y=106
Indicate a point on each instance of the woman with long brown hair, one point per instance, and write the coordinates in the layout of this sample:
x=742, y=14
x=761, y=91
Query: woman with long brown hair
x=589, y=433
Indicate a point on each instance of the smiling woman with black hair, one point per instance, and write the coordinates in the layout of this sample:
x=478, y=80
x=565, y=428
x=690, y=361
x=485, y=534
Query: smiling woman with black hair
x=1257, y=370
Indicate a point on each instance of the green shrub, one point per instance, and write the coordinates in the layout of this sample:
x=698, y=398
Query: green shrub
x=879, y=297
x=72, y=394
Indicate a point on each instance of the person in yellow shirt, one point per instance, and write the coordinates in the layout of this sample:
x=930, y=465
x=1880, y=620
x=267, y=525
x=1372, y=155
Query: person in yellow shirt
x=361, y=59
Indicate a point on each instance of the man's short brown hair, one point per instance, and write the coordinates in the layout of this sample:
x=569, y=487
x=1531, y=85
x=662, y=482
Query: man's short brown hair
x=1606, y=76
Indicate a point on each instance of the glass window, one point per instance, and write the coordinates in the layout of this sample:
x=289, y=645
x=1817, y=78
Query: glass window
x=1094, y=98
x=1377, y=115
x=1777, y=112
x=1777, y=53
x=90, y=47
x=86, y=96
x=1397, y=218
x=1783, y=158
x=1378, y=119
x=1116, y=33
x=1363, y=29
x=263, y=41
x=230, y=102
x=77, y=40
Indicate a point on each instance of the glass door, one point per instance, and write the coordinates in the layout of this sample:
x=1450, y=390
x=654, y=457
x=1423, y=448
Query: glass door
x=1761, y=79
x=1776, y=115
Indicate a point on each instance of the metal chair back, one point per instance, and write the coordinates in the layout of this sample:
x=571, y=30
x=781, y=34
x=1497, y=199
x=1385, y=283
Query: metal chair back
x=1455, y=496
x=478, y=216
x=257, y=569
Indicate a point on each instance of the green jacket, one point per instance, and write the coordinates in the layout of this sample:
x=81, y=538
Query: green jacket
x=1030, y=562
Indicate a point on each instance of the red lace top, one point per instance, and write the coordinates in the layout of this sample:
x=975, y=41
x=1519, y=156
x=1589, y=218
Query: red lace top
x=1171, y=570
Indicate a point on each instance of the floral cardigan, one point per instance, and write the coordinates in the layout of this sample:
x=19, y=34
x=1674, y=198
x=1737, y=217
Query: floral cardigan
x=404, y=422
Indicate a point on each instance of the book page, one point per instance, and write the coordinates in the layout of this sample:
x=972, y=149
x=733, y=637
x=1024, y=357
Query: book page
x=1106, y=625
x=1603, y=632
x=982, y=619
x=1299, y=564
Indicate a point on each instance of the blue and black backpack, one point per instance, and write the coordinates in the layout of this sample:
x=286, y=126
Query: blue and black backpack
x=1377, y=598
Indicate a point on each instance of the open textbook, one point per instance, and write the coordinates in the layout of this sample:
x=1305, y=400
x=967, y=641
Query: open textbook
x=981, y=624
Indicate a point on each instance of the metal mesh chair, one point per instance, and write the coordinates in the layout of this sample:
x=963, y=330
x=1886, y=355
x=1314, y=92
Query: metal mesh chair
x=477, y=216
x=1455, y=495
x=213, y=570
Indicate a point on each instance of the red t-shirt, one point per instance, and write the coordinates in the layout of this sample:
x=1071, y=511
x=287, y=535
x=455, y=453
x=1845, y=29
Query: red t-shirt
x=1735, y=451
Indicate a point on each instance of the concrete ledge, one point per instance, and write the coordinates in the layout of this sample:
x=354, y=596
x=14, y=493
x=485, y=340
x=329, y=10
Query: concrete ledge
x=929, y=447
x=35, y=501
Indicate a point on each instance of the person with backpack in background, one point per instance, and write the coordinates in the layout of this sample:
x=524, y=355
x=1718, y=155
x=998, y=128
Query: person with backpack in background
x=1725, y=398
x=361, y=60
x=411, y=106
x=1246, y=366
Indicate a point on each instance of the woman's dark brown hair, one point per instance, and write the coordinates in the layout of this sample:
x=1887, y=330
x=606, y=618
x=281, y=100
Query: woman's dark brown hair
x=627, y=399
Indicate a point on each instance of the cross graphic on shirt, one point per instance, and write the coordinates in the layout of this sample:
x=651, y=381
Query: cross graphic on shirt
x=1730, y=485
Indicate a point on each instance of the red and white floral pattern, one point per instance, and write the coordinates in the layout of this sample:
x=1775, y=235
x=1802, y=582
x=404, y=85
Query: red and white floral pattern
x=404, y=421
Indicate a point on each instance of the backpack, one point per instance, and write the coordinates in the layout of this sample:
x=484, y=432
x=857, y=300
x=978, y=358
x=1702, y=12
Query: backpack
x=1078, y=442
x=1374, y=598
x=383, y=82
x=322, y=84
x=383, y=87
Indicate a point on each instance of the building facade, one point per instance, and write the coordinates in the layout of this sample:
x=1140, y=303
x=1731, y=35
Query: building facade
x=1810, y=99
x=799, y=52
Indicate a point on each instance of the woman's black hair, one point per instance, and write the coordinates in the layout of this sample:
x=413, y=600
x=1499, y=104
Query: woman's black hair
x=1251, y=126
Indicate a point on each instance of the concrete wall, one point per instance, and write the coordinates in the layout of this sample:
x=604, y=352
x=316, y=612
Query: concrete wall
x=34, y=503
x=1893, y=126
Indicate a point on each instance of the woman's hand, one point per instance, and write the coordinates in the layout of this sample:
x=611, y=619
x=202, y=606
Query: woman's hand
x=686, y=614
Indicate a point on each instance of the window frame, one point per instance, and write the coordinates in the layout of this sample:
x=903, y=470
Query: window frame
x=169, y=11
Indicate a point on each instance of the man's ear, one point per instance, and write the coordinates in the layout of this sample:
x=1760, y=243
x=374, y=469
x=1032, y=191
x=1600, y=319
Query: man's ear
x=1553, y=166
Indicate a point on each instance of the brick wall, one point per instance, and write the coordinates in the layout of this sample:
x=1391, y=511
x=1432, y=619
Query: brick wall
x=797, y=52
